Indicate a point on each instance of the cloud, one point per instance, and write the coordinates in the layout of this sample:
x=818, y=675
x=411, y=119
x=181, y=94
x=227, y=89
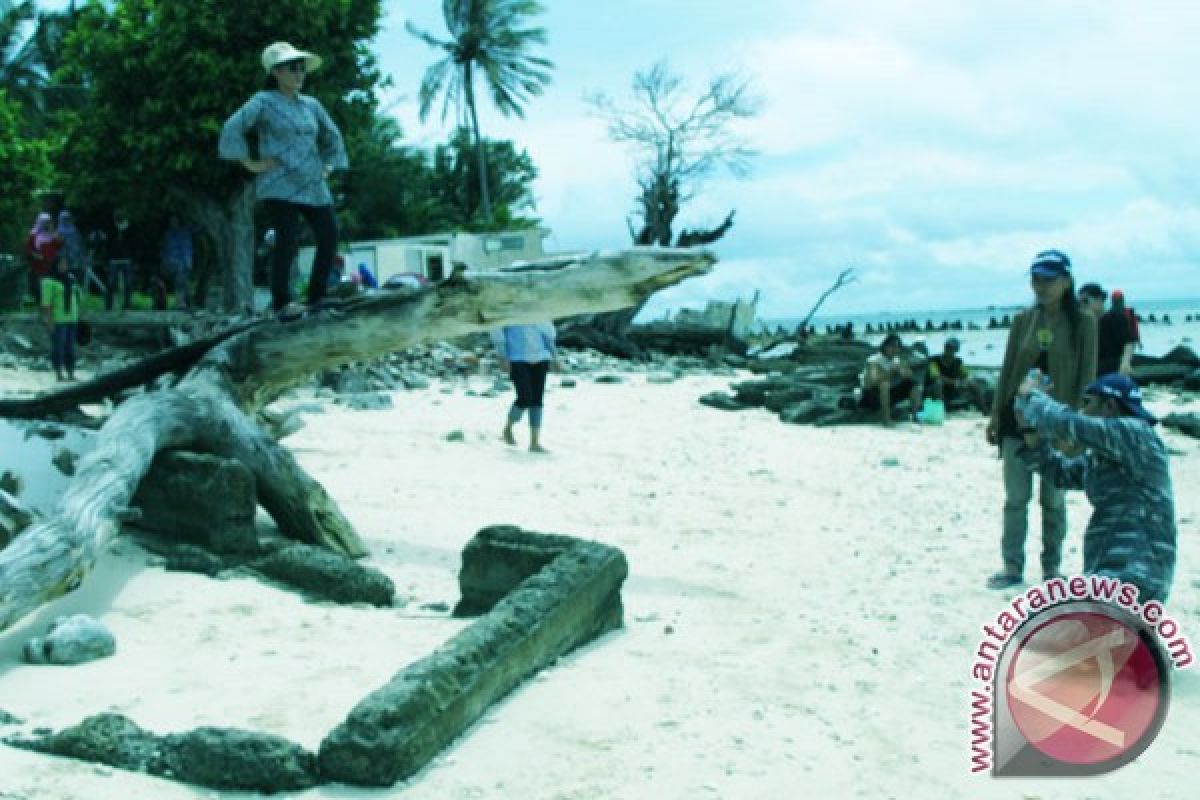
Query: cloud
x=935, y=145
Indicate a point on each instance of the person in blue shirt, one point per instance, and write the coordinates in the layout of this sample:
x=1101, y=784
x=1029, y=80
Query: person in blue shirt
x=526, y=352
x=1124, y=469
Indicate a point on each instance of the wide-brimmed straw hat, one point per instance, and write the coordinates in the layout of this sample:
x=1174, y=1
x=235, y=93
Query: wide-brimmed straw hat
x=282, y=52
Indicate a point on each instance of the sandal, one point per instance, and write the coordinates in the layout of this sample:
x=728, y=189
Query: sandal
x=1004, y=580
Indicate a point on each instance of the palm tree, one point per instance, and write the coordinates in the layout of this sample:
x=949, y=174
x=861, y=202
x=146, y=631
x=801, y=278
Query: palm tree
x=486, y=36
x=20, y=75
x=31, y=49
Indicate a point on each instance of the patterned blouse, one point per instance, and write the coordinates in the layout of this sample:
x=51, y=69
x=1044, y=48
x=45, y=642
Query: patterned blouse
x=298, y=133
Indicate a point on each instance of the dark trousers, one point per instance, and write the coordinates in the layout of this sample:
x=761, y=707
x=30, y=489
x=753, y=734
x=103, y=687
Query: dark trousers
x=62, y=346
x=35, y=287
x=530, y=382
x=283, y=216
x=897, y=393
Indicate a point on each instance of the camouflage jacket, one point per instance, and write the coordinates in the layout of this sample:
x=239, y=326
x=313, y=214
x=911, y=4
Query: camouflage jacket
x=1124, y=472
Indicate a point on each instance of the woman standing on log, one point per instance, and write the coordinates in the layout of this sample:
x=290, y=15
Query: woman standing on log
x=1056, y=337
x=298, y=146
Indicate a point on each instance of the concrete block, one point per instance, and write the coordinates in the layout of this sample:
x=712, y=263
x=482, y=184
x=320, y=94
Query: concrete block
x=393, y=732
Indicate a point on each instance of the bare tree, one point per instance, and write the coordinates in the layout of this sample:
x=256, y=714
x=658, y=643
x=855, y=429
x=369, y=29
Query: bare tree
x=844, y=278
x=680, y=139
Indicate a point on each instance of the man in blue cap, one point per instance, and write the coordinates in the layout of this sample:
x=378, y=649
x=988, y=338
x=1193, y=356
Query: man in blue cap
x=1123, y=469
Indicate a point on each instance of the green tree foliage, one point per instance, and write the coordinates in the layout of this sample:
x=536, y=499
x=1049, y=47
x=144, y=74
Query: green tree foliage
x=164, y=75
x=24, y=167
x=488, y=37
x=457, y=187
x=161, y=78
x=393, y=190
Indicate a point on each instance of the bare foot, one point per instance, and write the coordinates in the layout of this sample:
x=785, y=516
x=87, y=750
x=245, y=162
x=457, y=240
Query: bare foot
x=507, y=436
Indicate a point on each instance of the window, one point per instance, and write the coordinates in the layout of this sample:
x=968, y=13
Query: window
x=494, y=244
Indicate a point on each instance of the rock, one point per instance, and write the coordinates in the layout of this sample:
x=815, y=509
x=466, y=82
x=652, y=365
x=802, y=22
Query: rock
x=397, y=729
x=805, y=413
x=71, y=640
x=567, y=383
x=47, y=430
x=203, y=499
x=10, y=483
x=110, y=739
x=65, y=460
x=1188, y=424
x=723, y=401
x=662, y=377
x=8, y=719
x=1192, y=381
x=609, y=378
x=367, y=401
x=414, y=380
x=438, y=607
x=224, y=758
x=189, y=558
x=327, y=575
x=1182, y=355
x=1162, y=373
x=890, y=462
x=456, y=436
x=218, y=758
x=778, y=399
x=348, y=380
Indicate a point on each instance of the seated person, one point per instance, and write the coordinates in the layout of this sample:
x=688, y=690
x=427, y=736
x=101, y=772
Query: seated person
x=949, y=380
x=888, y=380
x=1124, y=468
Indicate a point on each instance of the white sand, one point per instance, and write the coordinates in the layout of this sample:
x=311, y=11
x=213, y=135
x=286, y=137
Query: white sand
x=800, y=617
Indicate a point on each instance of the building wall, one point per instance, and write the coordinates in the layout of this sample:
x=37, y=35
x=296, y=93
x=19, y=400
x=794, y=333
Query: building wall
x=435, y=256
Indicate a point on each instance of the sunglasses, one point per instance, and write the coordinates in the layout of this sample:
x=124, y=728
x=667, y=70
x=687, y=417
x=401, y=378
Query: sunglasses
x=293, y=66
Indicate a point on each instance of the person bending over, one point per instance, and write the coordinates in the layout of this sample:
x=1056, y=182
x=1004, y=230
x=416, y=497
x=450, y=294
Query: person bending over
x=1123, y=469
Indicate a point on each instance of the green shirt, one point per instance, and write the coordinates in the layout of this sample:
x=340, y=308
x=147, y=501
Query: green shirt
x=54, y=297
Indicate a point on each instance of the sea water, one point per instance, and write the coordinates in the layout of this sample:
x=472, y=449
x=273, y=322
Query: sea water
x=985, y=347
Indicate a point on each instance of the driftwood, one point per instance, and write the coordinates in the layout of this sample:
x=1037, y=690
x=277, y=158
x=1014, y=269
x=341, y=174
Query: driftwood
x=211, y=408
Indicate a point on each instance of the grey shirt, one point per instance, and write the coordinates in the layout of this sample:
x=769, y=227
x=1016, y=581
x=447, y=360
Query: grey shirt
x=299, y=134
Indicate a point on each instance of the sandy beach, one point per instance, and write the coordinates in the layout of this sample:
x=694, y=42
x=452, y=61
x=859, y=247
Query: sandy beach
x=801, y=614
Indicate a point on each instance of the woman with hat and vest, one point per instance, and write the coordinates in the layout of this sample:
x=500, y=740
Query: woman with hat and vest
x=1059, y=339
x=298, y=146
x=1123, y=469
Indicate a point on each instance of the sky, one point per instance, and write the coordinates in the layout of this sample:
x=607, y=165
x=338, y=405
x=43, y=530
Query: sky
x=932, y=145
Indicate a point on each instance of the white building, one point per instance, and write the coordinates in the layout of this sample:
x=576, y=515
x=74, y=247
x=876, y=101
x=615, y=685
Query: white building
x=435, y=255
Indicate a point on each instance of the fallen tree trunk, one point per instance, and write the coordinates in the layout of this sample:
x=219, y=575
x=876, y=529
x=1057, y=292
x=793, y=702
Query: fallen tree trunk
x=211, y=409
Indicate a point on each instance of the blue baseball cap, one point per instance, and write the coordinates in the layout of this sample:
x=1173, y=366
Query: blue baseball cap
x=1050, y=264
x=1122, y=389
